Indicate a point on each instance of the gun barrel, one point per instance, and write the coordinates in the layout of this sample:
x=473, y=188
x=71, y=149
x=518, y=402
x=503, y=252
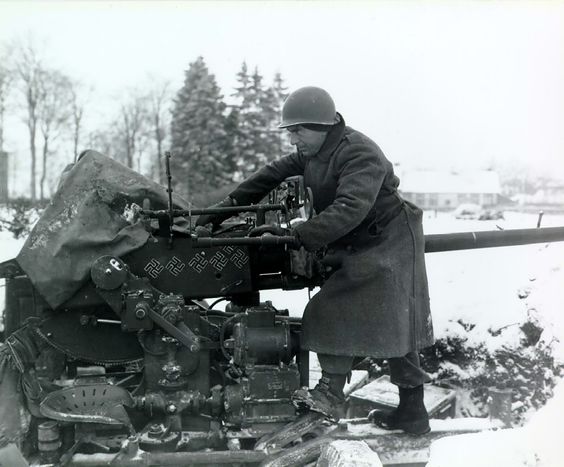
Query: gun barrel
x=492, y=238
x=433, y=243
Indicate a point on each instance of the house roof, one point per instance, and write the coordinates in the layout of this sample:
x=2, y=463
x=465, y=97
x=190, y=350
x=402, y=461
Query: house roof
x=439, y=181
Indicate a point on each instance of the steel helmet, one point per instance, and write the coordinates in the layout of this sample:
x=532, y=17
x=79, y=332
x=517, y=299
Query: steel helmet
x=308, y=105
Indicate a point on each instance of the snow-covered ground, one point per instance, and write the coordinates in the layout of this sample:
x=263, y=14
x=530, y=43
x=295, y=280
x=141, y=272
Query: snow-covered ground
x=497, y=289
x=537, y=444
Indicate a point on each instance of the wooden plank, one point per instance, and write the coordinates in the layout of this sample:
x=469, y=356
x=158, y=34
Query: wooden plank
x=170, y=458
x=398, y=448
x=292, y=431
x=347, y=453
x=299, y=455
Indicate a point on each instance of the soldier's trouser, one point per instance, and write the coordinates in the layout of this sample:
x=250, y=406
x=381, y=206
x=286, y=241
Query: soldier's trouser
x=404, y=371
x=335, y=364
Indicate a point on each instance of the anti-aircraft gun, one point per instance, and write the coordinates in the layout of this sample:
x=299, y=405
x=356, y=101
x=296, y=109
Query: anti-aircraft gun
x=138, y=351
x=137, y=361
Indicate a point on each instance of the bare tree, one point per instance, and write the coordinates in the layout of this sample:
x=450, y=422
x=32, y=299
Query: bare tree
x=104, y=141
x=79, y=97
x=132, y=125
x=28, y=69
x=54, y=110
x=6, y=80
x=160, y=100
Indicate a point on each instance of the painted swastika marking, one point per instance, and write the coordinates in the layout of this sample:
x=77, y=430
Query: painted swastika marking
x=198, y=263
x=240, y=258
x=153, y=268
x=219, y=261
x=175, y=266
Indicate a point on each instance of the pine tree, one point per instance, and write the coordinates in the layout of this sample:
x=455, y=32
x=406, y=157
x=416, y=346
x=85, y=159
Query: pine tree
x=201, y=149
x=276, y=95
x=258, y=118
x=242, y=93
x=243, y=116
x=257, y=139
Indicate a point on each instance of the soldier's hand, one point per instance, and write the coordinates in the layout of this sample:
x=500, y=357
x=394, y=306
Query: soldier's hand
x=201, y=231
x=216, y=219
x=267, y=229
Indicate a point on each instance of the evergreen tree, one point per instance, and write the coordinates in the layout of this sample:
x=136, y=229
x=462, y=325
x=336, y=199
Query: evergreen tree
x=238, y=126
x=257, y=139
x=245, y=116
x=201, y=149
x=242, y=92
x=278, y=94
x=259, y=117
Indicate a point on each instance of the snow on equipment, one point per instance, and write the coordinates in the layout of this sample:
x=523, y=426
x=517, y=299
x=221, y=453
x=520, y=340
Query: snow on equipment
x=113, y=354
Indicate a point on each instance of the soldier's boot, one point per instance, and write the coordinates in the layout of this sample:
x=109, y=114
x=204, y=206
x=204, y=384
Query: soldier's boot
x=326, y=398
x=410, y=416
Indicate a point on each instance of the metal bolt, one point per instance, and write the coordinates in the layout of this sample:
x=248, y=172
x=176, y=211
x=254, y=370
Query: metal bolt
x=140, y=312
x=132, y=445
x=171, y=408
x=108, y=272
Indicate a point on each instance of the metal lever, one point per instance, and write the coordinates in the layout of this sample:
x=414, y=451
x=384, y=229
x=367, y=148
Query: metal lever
x=181, y=332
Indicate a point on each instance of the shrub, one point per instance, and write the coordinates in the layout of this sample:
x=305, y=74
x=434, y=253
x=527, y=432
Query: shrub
x=528, y=370
x=19, y=215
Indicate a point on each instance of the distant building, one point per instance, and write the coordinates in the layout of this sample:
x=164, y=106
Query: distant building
x=552, y=193
x=436, y=189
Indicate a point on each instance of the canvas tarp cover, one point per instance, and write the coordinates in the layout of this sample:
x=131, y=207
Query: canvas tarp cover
x=89, y=216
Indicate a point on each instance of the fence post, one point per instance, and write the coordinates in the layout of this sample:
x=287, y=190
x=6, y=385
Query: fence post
x=499, y=405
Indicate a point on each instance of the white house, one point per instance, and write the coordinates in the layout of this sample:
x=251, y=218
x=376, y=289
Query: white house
x=442, y=189
x=552, y=193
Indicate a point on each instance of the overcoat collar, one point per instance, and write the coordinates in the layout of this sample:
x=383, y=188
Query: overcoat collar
x=333, y=139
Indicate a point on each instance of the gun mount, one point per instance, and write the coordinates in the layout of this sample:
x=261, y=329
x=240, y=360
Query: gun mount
x=137, y=361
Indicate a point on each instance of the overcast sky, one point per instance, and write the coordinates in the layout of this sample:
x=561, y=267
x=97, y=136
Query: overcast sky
x=435, y=84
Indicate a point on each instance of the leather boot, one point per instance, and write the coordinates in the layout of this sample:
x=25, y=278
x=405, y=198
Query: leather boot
x=327, y=397
x=410, y=415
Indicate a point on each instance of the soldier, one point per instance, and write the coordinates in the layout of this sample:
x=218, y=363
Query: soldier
x=377, y=303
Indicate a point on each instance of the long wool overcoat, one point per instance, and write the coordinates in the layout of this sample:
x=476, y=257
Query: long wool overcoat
x=377, y=303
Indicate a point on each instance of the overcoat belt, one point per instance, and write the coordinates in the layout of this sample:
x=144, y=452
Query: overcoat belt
x=377, y=302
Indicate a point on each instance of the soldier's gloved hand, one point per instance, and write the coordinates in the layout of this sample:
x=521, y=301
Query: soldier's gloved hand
x=202, y=231
x=216, y=219
x=270, y=229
